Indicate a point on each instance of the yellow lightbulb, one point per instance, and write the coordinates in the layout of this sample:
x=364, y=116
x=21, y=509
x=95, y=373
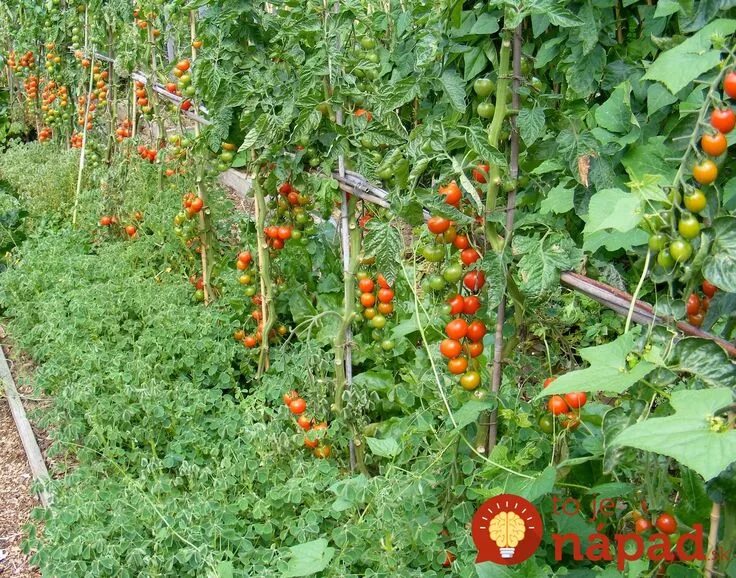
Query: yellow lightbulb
x=507, y=529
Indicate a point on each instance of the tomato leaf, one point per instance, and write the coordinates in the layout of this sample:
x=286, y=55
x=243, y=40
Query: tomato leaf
x=531, y=124
x=383, y=241
x=542, y=259
x=559, y=200
x=470, y=411
x=706, y=360
x=679, y=66
x=309, y=558
x=454, y=88
x=689, y=435
x=385, y=448
x=608, y=369
x=720, y=265
x=615, y=114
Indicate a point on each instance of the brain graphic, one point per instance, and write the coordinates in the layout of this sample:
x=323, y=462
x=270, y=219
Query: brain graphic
x=507, y=529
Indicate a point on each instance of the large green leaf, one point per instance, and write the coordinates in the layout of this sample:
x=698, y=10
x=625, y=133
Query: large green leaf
x=706, y=360
x=613, y=209
x=559, y=200
x=309, y=558
x=691, y=435
x=454, y=88
x=531, y=124
x=679, y=66
x=615, y=114
x=386, y=447
x=384, y=241
x=470, y=411
x=608, y=370
x=542, y=259
x=720, y=266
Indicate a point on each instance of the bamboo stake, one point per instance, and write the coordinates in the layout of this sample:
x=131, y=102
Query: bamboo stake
x=710, y=552
x=83, y=152
x=204, y=221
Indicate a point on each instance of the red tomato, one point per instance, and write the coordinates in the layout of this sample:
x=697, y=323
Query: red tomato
x=461, y=242
x=277, y=244
x=480, y=173
x=131, y=230
x=284, y=233
x=708, y=288
x=381, y=280
x=576, y=400
x=249, y=341
x=298, y=406
x=696, y=319
x=548, y=381
x=693, y=304
x=714, y=144
x=557, y=405
x=367, y=299
x=457, y=304
x=474, y=280
x=452, y=193
x=705, y=172
x=304, y=422
x=729, y=84
x=471, y=304
x=642, y=525
x=723, y=119
x=469, y=256
x=666, y=524
x=475, y=349
x=450, y=348
x=290, y=396
x=366, y=285
x=285, y=188
x=245, y=257
x=457, y=366
x=272, y=232
x=385, y=295
x=449, y=559
x=438, y=225
x=456, y=329
x=311, y=444
x=571, y=421
x=106, y=221
x=476, y=331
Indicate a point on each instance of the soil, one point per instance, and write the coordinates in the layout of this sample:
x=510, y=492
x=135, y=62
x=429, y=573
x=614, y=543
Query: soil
x=15, y=482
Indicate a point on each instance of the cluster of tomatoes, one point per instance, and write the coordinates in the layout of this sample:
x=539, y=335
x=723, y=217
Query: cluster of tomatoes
x=141, y=97
x=464, y=342
x=377, y=305
x=567, y=406
x=176, y=154
x=665, y=523
x=696, y=307
x=226, y=156
x=26, y=62
x=124, y=130
x=142, y=23
x=30, y=84
x=44, y=135
x=445, y=233
x=198, y=284
x=192, y=205
x=184, y=84
x=247, y=276
x=111, y=220
x=298, y=407
x=76, y=140
x=53, y=60
x=713, y=144
x=53, y=94
x=147, y=154
x=483, y=87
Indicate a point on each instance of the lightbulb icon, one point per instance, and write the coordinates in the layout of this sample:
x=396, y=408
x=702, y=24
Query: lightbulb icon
x=507, y=529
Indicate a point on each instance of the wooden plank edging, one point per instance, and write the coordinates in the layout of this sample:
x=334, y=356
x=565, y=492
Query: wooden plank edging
x=27, y=437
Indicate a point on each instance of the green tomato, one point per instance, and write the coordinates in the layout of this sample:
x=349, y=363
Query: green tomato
x=657, y=242
x=453, y=273
x=227, y=157
x=250, y=290
x=367, y=143
x=199, y=295
x=372, y=57
x=689, y=227
x=387, y=344
x=433, y=253
x=446, y=309
x=385, y=173
x=378, y=322
x=665, y=259
x=376, y=335
x=483, y=86
x=296, y=234
x=367, y=43
x=436, y=283
x=680, y=250
x=314, y=162
x=546, y=424
x=486, y=109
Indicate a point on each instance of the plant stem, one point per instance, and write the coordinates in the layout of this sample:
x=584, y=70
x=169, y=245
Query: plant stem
x=715, y=518
x=351, y=250
x=264, y=264
x=82, y=154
